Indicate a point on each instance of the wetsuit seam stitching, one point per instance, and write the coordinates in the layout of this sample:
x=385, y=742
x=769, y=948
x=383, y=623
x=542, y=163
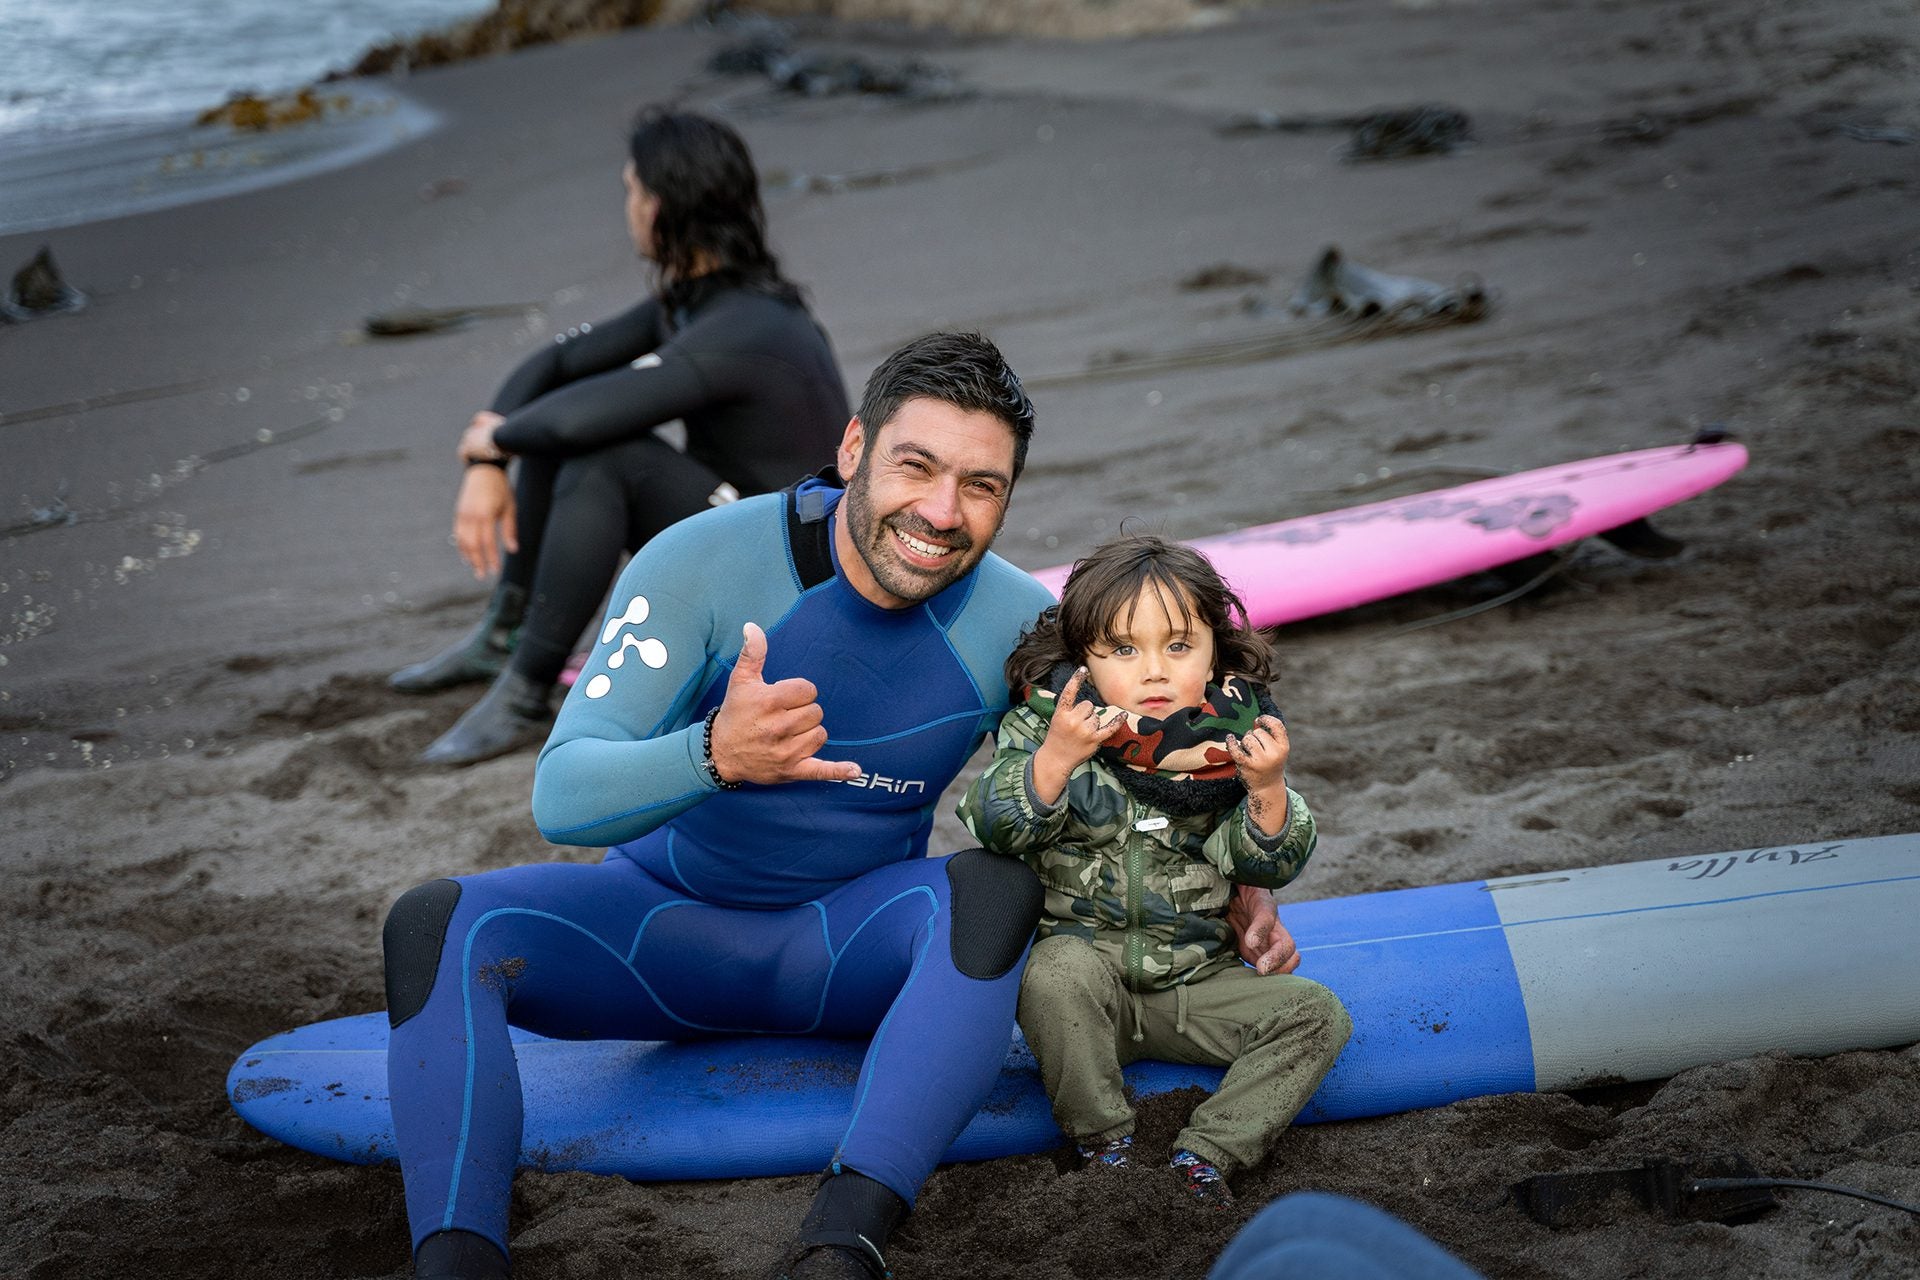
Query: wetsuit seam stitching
x=907, y=732
x=946, y=638
x=672, y=712
x=834, y=956
x=919, y=962
x=792, y=609
x=550, y=832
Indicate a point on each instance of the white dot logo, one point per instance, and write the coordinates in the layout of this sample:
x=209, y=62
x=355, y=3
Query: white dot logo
x=653, y=653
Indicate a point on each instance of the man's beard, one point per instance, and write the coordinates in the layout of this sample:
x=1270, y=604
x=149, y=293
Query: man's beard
x=875, y=543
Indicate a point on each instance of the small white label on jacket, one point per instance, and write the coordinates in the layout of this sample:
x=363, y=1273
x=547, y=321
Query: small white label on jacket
x=1151, y=824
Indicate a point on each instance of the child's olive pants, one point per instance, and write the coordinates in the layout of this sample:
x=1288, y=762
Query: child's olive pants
x=1277, y=1036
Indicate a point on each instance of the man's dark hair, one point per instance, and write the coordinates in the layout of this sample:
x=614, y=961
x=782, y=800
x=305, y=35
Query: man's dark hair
x=963, y=369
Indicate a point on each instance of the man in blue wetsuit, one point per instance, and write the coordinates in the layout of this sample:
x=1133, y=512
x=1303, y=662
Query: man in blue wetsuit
x=781, y=691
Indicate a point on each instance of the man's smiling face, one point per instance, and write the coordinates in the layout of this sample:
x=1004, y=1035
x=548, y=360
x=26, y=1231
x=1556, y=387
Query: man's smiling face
x=926, y=495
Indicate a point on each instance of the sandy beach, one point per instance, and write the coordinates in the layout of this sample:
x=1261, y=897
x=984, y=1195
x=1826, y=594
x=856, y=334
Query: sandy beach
x=225, y=510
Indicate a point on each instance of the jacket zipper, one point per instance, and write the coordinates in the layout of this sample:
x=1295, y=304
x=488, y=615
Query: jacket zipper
x=1136, y=941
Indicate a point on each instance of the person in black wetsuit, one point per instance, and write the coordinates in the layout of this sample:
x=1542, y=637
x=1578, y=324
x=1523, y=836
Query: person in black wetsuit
x=726, y=345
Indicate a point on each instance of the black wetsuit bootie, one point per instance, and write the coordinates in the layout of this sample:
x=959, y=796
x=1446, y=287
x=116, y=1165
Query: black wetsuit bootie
x=459, y=1255
x=479, y=655
x=513, y=713
x=844, y=1235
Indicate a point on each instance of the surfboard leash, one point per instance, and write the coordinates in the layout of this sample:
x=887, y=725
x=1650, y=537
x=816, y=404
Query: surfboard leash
x=1731, y=1190
x=1757, y=1184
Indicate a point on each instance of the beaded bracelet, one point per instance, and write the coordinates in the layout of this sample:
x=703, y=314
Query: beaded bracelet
x=706, y=754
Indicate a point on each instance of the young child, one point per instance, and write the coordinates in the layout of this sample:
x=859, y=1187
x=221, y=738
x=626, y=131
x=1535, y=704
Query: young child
x=1143, y=776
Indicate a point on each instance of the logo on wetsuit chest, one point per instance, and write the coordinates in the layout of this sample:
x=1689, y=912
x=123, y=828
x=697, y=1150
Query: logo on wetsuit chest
x=652, y=652
x=881, y=782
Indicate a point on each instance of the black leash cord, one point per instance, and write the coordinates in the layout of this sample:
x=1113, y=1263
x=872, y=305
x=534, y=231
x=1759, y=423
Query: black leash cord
x=1740, y=1184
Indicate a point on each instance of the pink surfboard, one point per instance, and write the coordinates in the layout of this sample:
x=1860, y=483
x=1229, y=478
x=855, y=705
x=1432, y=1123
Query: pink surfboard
x=1321, y=564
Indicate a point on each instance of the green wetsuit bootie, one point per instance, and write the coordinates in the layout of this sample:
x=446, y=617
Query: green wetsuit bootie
x=479, y=655
x=513, y=713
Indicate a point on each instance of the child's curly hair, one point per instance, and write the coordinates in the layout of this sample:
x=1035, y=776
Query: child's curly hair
x=1106, y=585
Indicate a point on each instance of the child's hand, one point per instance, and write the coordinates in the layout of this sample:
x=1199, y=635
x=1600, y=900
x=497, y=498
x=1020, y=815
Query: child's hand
x=1073, y=735
x=1261, y=756
x=1077, y=728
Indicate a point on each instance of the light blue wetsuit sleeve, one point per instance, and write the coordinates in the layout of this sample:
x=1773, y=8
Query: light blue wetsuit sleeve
x=625, y=753
x=1005, y=604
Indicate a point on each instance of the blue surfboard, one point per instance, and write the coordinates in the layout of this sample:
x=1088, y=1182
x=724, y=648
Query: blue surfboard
x=1549, y=981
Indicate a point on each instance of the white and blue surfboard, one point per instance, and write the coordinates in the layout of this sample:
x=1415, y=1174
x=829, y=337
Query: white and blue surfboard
x=1539, y=982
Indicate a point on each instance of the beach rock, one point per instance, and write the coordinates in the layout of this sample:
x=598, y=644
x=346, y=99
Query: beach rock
x=410, y=321
x=1336, y=287
x=514, y=24
x=1072, y=19
x=822, y=74
x=38, y=290
x=1408, y=131
x=758, y=42
x=1384, y=133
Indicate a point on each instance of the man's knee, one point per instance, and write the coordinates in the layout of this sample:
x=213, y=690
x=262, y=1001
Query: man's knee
x=996, y=904
x=415, y=933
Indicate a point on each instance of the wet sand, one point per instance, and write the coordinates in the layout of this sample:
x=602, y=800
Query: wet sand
x=60, y=180
x=225, y=521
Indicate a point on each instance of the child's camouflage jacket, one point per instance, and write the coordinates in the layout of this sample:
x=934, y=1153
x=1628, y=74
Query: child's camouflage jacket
x=1148, y=889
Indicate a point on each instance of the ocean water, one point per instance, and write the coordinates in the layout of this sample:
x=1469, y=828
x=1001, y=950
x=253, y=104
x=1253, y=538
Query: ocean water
x=85, y=65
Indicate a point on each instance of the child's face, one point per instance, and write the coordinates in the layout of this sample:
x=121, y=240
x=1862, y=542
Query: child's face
x=1162, y=660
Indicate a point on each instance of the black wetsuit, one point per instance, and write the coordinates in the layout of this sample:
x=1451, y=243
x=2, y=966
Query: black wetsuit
x=748, y=371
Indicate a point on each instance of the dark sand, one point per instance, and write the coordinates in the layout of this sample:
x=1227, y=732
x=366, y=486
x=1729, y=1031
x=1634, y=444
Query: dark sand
x=209, y=794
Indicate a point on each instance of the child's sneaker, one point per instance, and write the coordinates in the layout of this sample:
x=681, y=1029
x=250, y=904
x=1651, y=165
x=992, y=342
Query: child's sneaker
x=1115, y=1153
x=1202, y=1181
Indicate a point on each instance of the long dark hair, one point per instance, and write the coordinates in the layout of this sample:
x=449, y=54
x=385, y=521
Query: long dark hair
x=1102, y=591
x=709, y=198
